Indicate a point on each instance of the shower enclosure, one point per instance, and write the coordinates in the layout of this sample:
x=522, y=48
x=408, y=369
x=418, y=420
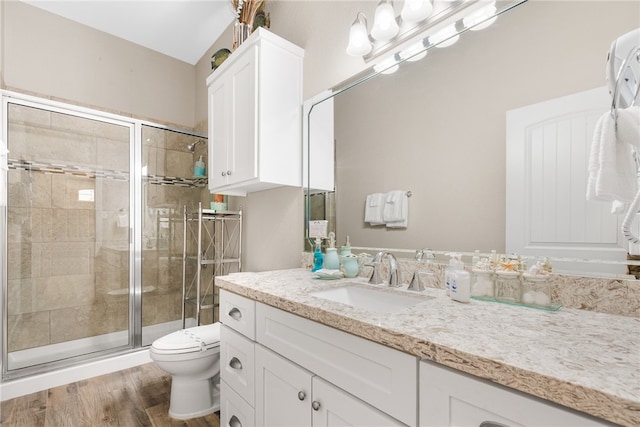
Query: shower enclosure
x=91, y=228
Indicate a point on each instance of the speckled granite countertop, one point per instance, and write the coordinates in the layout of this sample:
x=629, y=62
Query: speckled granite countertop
x=580, y=359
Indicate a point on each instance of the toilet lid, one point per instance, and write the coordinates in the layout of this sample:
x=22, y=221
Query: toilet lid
x=188, y=340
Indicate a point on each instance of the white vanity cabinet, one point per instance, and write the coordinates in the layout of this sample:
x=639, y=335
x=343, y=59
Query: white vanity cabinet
x=449, y=398
x=309, y=374
x=255, y=104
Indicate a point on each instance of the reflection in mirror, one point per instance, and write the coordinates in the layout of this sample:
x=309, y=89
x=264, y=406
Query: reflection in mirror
x=437, y=128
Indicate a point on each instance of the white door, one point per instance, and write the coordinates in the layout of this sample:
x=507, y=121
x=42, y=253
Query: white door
x=547, y=212
x=283, y=391
x=333, y=407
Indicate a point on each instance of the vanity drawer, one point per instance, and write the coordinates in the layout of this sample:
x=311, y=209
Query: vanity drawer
x=237, y=363
x=238, y=313
x=383, y=377
x=234, y=411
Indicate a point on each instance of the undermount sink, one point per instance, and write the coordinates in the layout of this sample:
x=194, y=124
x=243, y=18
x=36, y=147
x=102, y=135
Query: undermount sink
x=368, y=298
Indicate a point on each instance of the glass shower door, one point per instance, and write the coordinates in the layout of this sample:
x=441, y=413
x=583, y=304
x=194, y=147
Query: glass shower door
x=68, y=234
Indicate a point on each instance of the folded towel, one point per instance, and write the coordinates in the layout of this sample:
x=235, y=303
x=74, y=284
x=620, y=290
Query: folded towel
x=396, y=209
x=628, y=126
x=612, y=170
x=373, y=209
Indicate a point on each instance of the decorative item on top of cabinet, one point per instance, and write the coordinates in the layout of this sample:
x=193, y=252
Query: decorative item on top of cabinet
x=255, y=117
x=250, y=14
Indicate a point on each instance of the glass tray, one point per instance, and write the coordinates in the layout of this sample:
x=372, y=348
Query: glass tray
x=552, y=307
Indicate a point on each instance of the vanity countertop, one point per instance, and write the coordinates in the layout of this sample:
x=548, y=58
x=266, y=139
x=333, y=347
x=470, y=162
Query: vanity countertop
x=580, y=359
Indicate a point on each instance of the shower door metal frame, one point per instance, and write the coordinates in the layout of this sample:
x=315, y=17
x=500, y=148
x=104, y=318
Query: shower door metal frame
x=135, y=227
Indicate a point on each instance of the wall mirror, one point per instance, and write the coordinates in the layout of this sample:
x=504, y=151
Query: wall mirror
x=438, y=128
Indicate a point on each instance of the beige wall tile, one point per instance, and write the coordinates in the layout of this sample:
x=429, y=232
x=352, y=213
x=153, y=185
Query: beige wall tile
x=64, y=291
x=29, y=189
x=113, y=154
x=28, y=115
x=28, y=330
x=22, y=296
x=66, y=192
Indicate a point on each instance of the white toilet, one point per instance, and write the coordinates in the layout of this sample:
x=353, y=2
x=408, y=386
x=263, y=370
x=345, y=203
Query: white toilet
x=192, y=357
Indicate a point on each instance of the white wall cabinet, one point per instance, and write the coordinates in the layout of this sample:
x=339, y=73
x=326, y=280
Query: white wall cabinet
x=448, y=398
x=255, y=107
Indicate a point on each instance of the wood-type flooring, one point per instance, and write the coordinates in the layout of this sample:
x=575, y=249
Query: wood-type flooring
x=133, y=397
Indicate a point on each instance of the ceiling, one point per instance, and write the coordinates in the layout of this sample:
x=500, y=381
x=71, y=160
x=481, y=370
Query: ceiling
x=181, y=29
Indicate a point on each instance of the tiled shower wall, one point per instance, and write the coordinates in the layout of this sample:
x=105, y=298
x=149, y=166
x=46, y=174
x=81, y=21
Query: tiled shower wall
x=68, y=255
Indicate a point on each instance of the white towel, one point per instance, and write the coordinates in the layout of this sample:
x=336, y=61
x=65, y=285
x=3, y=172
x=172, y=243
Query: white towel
x=373, y=209
x=628, y=126
x=396, y=209
x=612, y=171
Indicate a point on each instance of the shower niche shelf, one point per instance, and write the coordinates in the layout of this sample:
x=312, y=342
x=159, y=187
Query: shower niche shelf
x=211, y=247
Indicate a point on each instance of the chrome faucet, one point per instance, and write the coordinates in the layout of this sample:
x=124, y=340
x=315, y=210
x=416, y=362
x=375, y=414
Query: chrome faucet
x=393, y=269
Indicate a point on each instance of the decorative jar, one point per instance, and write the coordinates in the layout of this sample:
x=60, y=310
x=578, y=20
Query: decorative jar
x=507, y=286
x=536, y=290
x=482, y=283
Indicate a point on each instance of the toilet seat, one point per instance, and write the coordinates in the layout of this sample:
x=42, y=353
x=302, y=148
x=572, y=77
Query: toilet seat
x=190, y=340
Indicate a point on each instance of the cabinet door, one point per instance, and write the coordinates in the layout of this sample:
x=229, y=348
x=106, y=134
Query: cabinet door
x=219, y=131
x=448, y=398
x=335, y=407
x=242, y=155
x=283, y=391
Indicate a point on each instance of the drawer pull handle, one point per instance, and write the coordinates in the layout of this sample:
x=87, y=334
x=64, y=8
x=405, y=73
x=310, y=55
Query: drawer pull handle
x=301, y=395
x=235, y=363
x=492, y=424
x=235, y=313
x=234, y=421
x=315, y=405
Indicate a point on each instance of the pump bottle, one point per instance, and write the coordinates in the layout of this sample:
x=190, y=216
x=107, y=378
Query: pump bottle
x=198, y=169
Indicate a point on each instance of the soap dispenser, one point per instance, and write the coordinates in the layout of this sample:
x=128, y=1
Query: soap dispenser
x=318, y=258
x=346, y=249
x=331, y=259
x=198, y=169
x=460, y=285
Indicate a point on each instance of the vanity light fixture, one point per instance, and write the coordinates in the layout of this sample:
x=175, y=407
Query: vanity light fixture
x=408, y=31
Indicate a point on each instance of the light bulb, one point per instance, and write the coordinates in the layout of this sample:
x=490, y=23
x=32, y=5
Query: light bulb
x=414, y=52
x=387, y=66
x=481, y=18
x=385, y=26
x=445, y=37
x=359, y=43
x=416, y=10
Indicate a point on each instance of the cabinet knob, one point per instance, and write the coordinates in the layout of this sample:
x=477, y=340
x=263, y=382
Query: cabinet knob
x=301, y=395
x=235, y=363
x=228, y=173
x=492, y=424
x=224, y=173
x=315, y=405
x=235, y=313
x=234, y=421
